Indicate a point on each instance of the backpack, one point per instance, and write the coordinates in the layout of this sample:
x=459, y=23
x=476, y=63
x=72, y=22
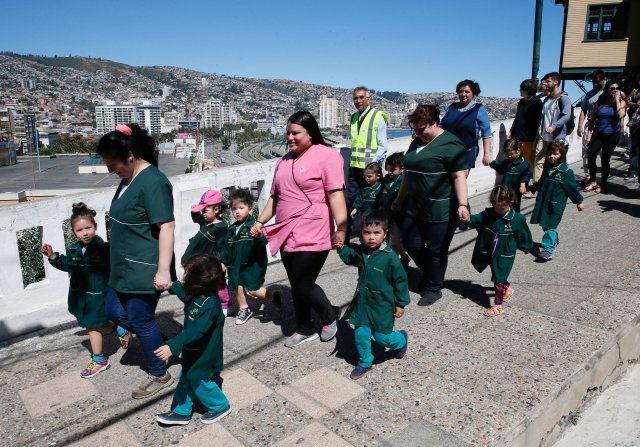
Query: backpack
x=571, y=124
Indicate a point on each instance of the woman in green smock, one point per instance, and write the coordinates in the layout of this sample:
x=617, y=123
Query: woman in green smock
x=142, y=225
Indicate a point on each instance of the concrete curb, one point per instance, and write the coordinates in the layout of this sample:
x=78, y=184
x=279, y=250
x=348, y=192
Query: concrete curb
x=544, y=425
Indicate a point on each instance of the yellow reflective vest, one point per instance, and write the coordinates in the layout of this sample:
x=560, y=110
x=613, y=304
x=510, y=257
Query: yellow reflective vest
x=364, y=140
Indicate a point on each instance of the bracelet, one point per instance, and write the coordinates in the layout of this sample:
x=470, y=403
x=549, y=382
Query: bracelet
x=258, y=222
x=463, y=204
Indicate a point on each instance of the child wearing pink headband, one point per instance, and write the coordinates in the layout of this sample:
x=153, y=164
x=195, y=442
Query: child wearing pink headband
x=212, y=235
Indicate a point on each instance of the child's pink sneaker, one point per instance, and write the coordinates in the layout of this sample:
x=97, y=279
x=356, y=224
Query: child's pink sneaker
x=94, y=368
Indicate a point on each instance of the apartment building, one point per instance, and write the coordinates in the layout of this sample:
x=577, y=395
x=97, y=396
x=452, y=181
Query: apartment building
x=147, y=115
x=217, y=113
x=110, y=115
x=329, y=113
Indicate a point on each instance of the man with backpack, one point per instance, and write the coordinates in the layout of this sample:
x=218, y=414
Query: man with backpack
x=557, y=120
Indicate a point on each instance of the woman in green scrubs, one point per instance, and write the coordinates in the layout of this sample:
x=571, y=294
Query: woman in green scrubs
x=142, y=225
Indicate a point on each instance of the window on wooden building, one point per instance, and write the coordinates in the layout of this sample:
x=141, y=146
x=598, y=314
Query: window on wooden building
x=607, y=22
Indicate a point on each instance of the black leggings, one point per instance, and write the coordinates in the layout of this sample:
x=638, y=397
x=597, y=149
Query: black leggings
x=607, y=143
x=303, y=268
x=428, y=245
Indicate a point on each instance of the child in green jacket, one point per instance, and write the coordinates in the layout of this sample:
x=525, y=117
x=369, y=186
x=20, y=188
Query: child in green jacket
x=515, y=171
x=501, y=232
x=394, y=164
x=245, y=257
x=556, y=184
x=381, y=295
x=88, y=262
x=211, y=237
x=369, y=197
x=200, y=343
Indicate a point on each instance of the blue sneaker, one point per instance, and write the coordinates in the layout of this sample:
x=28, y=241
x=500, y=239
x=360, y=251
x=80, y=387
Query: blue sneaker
x=545, y=256
x=359, y=371
x=171, y=418
x=400, y=353
x=210, y=417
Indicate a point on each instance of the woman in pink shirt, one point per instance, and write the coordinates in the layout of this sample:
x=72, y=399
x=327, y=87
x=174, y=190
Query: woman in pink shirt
x=307, y=195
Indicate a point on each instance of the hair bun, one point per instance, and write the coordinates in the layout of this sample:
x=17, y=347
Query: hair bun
x=82, y=208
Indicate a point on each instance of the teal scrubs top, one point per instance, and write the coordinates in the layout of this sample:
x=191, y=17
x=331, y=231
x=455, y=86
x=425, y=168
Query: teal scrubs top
x=428, y=169
x=134, y=216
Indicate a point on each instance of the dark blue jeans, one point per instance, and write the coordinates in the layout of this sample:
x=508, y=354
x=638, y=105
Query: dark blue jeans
x=136, y=312
x=355, y=182
x=428, y=245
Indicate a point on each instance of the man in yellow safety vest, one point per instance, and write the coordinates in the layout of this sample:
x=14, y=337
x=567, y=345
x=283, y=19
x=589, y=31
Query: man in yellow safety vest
x=368, y=141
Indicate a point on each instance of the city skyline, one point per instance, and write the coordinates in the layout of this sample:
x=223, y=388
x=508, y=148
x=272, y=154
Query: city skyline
x=410, y=47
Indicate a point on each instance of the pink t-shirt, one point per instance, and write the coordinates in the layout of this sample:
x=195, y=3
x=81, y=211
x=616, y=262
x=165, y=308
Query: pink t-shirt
x=303, y=218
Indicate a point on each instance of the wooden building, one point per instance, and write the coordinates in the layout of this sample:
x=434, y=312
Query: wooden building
x=600, y=34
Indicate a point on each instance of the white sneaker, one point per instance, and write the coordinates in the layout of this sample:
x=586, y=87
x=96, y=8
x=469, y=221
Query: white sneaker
x=297, y=339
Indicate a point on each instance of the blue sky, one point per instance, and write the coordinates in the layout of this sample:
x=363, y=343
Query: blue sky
x=407, y=46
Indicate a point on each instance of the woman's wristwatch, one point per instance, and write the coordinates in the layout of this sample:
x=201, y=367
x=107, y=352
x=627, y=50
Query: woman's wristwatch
x=466, y=205
x=258, y=222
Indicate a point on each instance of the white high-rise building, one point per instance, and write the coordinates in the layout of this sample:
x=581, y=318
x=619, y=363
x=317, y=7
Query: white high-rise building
x=328, y=113
x=147, y=115
x=109, y=116
x=216, y=114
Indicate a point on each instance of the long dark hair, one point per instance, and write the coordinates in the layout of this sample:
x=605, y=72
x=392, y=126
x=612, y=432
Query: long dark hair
x=604, y=100
x=306, y=120
x=117, y=144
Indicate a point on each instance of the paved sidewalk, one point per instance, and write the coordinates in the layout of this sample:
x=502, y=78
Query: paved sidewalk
x=466, y=380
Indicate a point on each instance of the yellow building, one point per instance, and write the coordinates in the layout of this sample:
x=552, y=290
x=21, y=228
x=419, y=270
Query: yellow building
x=600, y=34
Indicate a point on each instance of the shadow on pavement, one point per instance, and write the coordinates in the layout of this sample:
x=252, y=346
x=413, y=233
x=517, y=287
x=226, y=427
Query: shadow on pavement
x=471, y=291
x=631, y=209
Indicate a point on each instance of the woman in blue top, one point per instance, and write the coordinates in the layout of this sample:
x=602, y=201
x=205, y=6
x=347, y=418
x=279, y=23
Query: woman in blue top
x=468, y=120
x=142, y=225
x=605, y=127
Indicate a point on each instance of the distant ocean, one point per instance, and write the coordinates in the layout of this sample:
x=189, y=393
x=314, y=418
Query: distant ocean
x=398, y=133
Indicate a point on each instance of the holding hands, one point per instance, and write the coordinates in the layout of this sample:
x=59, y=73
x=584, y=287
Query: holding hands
x=256, y=229
x=463, y=213
x=163, y=353
x=337, y=239
x=162, y=281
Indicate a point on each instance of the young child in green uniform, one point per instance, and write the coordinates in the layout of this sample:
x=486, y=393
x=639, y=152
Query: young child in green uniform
x=245, y=257
x=369, y=197
x=200, y=343
x=501, y=232
x=394, y=164
x=88, y=262
x=515, y=171
x=556, y=184
x=211, y=237
x=381, y=295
